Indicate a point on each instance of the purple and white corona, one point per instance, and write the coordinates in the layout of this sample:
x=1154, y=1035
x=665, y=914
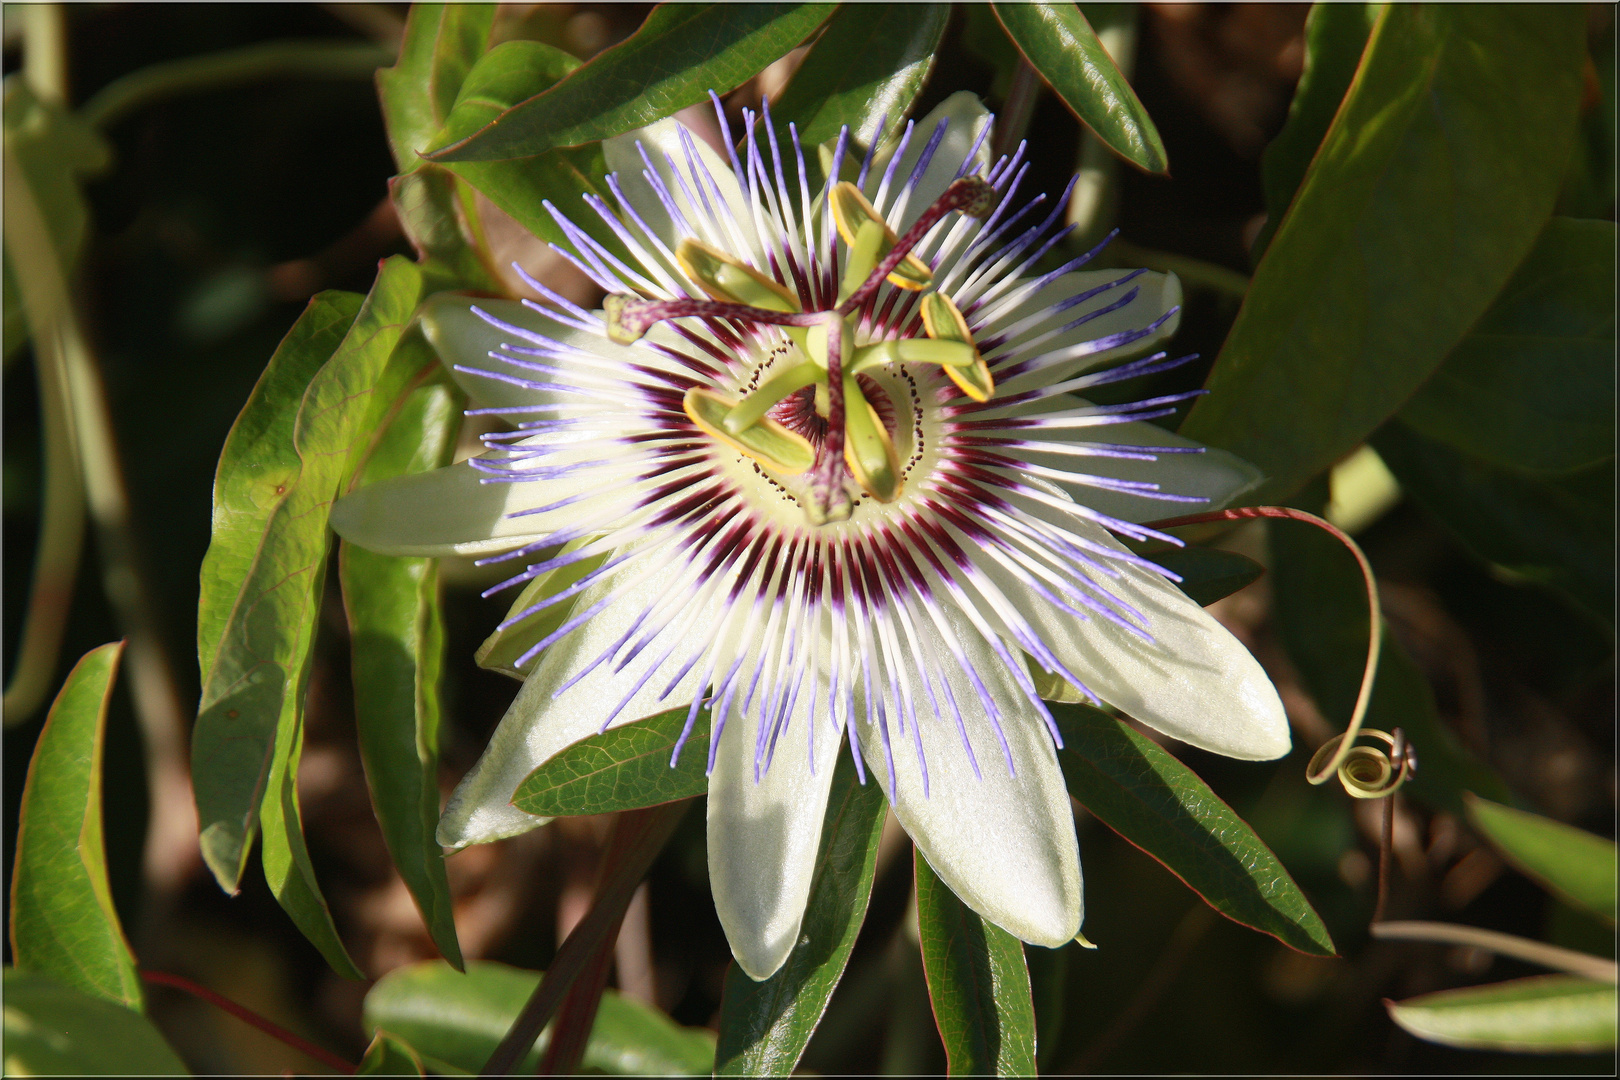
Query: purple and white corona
x=823, y=468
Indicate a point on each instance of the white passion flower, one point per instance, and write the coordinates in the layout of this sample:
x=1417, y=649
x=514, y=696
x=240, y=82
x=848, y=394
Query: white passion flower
x=821, y=467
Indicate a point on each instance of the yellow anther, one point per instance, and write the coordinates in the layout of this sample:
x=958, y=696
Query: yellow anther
x=868, y=450
x=726, y=279
x=765, y=441
x=850, y=209
x=943, y=320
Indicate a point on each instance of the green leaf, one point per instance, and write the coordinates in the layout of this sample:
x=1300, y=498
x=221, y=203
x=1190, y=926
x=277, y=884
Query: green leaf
x=54, y=1030
x=1571, y=862
x=304, y=429
x=442, y=42
x=1060, y=44
x=1556, y=531
x=1436, y=176
x=765, y=1026
x=388, y=1056
x=1208, y=574
x=866, y=67
x=506, y=75
x=1145, y=794
x=1320, y=604
x=1545, y=1014
x=1335, y=37
x=455, y=1021
x=680, y=53
x=397, y=644
x=430, y=207
x=977, y=982
x=1532, y=385
x=56, y=151
x=63, y=923
x=624, y=768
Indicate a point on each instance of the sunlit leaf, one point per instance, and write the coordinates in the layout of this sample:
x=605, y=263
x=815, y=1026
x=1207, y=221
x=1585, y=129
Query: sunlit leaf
x=54, y=1030
x=63, y=923
x=455, y=1021
x=624, y=768
x=1571, y=862
x=1060, y=44
x=765, y=1026
x=681, y=52
x=1433, y=182
x=442, y=42
x=1532, y=385
x=1151, y=799
x=1545, y=1014
x=397, y=644
x=977, y=982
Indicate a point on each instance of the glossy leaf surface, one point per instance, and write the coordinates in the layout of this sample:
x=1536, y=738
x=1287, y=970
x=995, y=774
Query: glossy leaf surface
x=454, y=1022
x=1573, y=863
x=680, y=53
x=63, y=923
x=1431, y=185
x=765, y=1026
x=1542, y=1014
x=1060, y=44
x=1145, y=794
x=55, y=1030
x=397, y=647
x=977, y=982
x=624, y=768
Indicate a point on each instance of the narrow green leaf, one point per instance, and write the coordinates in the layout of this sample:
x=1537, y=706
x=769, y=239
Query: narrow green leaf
x=1320, y=604
x=454, y=1022
x=1531, y=387
x=55, y=1030
x=977, y=982
x=1060, y=44
x=397, y=643
x=1143, y=793
x=680, y=53
x=1208, y=574
x=1433, y=182
x=1544, y=1014
x=1335, y=37
x=442, y=42
x=624, y=768
x=389, y=1056
x=866, y=67
x=765, y=1026
x=1571, y=862
x=306, y=426
x=1557, y=531
x=506, y=75
x=63, y=923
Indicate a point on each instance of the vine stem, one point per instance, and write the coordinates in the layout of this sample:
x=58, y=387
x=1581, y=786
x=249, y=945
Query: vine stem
x=1535, y=952
x=1375, y=619
x=248, y=1016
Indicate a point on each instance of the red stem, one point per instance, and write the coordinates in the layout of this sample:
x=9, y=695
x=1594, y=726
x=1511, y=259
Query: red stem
x=247, y=1015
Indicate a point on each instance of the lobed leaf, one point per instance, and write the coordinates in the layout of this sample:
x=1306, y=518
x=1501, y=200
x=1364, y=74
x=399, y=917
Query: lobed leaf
x=1571, y=862
x=1434, y=179
x=765, y=1026
x=441, y=44
x=1544, y=1014
x=977, y=982
x=63, y=923
x=1531, y=388
x=55, y=1030
x=397, y=646
x=454, y=1021
x=623, y=768
x=1145, y=794
x=679, y=54
x=1060, y=44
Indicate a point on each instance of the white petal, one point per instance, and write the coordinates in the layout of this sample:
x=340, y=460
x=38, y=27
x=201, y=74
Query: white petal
x=447, y=511
x=1157, y=294
x=764, y=835
x=465, y=340
x=1003, y=841
x=542, y=722
x=967, y=117
x=663, y=142
x=1194, y=682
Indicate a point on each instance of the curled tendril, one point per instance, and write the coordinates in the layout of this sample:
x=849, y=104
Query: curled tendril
x=1365, y=771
